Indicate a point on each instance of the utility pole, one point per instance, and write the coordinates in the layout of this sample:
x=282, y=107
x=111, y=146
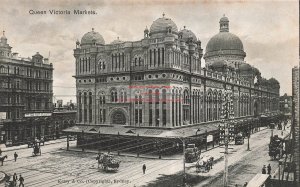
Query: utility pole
x=227, y=114
x=225, y=177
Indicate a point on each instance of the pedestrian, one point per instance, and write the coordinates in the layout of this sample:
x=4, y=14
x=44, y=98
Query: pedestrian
x=21, y=179
x=144, y=168
x=245, y=185
x=269, y=169
x=16, y=156
x=263, y=171
x=15, y=178
x=0, y=152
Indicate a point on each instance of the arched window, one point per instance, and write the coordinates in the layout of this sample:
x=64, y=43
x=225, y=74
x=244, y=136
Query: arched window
x=157, y=108
x=164, y=107
x=138, y=108
x=114, y=96
x=150, y=108
x=186, y=97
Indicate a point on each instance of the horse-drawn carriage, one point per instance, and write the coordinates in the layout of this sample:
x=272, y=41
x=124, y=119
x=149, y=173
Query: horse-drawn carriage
x=275, y=147
x=108, y=162
x=204, y=164
x=36, y=150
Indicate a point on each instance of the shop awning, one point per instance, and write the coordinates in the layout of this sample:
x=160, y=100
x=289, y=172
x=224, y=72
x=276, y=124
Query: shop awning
x=145, y=132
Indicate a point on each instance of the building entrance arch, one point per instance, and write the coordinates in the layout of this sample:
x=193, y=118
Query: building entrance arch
x=118, y=117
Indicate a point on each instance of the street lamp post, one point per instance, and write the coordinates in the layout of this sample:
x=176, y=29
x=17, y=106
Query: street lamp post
x=68, y=145
x=248, y=147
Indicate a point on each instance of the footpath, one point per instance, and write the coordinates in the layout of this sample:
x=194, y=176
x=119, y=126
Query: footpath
x=25, y=146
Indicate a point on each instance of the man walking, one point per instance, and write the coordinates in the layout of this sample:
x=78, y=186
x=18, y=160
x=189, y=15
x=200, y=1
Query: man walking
x=16, y=156
x=263, y=171
x=0, y=152
x=15, y=178
x=21, y=179
x=144, y=168
x=269, y=169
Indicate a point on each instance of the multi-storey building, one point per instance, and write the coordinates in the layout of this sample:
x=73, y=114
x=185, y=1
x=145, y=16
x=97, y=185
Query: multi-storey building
x=158, y=82
x=296, y=120
x=25, y=94
x=285, y=105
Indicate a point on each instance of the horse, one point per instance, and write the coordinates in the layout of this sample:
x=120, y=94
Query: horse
x=2, y=159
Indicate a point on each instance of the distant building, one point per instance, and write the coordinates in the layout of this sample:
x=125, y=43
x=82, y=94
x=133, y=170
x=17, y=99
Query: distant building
x=25, y=95
x=285, y=104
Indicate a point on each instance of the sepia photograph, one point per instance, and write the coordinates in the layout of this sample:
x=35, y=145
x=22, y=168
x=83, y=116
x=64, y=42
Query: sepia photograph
x=153, y=93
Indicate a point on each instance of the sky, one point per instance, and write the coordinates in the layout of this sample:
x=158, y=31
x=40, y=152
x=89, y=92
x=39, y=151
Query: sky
x=269, y=30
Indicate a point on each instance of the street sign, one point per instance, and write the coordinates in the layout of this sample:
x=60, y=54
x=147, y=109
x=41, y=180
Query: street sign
x=209, y=138
x=2, y=115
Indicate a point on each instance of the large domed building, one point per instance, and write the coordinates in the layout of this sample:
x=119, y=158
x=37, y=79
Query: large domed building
x=225, y=46
x=92, y=38
x=156, y=87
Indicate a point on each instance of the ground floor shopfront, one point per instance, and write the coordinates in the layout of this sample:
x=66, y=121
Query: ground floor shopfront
x=157, y=141
x=36, y=127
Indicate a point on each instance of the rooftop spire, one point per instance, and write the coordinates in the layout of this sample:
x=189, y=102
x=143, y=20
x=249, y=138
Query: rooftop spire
x=3, y=32
x=224, y=24
x=163, y=14
x=93, y=29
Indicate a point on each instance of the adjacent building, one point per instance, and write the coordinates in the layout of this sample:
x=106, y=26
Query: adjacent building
x=156, y=87
x=296, y=120
x=25, y=95
x=285, y=105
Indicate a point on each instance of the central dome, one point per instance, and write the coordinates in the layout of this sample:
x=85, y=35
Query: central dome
x=224, y=41
x=92, y=37
x=161, y=25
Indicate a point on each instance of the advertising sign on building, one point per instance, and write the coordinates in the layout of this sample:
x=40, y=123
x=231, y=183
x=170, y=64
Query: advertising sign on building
x=37, y=114
x=2, y=115
x=209, y=138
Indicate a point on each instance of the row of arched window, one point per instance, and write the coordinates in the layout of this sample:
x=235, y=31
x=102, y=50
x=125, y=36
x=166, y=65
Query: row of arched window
x=84, y=65
x=157, y=57
x=118, y=61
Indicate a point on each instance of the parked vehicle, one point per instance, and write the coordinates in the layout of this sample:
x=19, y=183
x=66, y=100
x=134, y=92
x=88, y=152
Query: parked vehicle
x=192, y=153
x=108, y=162
x=36, y=150
x=275, y=147
x=204, y=164
x=239, y=139
x=9, y=143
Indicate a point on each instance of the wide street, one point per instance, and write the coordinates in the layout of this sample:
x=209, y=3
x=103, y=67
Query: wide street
x=57, y=167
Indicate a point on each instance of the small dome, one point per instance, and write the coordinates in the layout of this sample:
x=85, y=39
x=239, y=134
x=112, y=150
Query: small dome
x=218, y=64
x=187, y=34
x=117, y=41
x=273, y=81
x=245, y=67
x=161, y=25
x=3, y=37
x=224, y=19
x=91, y=37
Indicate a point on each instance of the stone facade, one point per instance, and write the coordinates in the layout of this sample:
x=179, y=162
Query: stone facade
x=25, y=94
x=158, y=81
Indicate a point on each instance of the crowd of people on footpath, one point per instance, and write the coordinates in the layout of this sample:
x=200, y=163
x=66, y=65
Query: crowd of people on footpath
x=266, y=170
x=14, y=181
